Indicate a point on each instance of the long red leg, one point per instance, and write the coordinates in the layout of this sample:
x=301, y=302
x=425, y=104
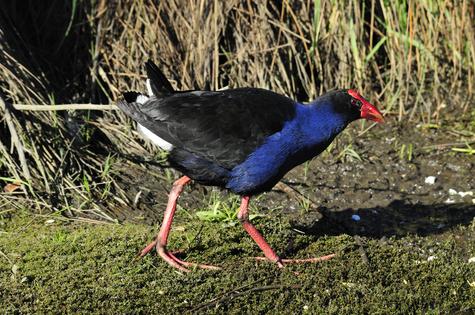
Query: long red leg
x=243, y=216
x=162, y=238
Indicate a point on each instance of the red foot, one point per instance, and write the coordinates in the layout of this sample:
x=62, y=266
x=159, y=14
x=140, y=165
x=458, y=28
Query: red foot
x=162, y=237
x=172, y=260
x=190, y=264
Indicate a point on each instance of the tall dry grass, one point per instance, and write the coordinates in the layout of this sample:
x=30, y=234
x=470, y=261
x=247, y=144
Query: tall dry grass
x=415, y=59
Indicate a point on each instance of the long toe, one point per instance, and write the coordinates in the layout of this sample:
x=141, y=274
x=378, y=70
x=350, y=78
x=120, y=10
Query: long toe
x=147, y=249
x=170, y=259
x=175, y=262
x=192, y=264
x=300, y=261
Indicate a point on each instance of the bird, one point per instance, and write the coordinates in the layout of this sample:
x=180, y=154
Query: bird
x=243, y=140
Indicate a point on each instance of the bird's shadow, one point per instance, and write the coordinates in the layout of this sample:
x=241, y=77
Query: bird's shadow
x=400, y=218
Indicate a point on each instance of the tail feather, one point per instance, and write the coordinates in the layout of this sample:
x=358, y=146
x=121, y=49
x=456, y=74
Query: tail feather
x=132, y=96
x=131, y=105
x=158, y=82
x=148, y=127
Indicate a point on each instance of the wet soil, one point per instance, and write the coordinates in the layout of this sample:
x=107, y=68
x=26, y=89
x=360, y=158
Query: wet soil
x=385, y=186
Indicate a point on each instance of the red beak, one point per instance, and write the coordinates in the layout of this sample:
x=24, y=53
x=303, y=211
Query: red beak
x=370, y=112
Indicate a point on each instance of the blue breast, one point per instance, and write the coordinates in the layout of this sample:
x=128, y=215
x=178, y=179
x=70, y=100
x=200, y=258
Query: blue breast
x=310, y=131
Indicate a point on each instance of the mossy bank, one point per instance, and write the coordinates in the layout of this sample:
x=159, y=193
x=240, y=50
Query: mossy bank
x=68, y=267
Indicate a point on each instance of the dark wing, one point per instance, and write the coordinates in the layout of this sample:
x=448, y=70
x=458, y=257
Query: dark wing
x=223, y=126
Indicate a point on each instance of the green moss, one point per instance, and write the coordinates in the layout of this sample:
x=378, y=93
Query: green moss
x=71, y=267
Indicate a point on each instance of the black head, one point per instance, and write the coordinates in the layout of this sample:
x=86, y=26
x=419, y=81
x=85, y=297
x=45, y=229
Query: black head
x=353, y=106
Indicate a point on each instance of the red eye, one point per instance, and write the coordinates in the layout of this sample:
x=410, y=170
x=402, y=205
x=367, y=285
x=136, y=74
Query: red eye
x=356, y=103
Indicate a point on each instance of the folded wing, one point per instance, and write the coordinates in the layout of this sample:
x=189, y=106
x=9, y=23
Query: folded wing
x=223, y=127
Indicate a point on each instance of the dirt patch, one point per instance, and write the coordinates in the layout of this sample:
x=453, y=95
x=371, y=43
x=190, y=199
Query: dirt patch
x=384, y=189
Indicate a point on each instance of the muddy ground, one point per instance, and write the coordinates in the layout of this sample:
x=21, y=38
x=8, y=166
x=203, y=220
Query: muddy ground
x=386, y=186
x=403, y=245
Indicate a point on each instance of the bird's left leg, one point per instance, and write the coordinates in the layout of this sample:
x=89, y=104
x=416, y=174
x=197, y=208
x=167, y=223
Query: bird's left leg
x=162, y=238
x=243, y=216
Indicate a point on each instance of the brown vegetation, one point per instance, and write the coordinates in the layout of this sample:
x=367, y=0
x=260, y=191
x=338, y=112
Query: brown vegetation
x=415, y=59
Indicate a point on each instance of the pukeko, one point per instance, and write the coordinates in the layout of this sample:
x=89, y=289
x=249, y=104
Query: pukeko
x=244, y=140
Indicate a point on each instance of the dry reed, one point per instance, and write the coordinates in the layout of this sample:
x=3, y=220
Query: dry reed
x=414, y=59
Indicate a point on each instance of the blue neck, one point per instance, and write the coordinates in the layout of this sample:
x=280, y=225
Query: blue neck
x=318, y=122
x=311, y=130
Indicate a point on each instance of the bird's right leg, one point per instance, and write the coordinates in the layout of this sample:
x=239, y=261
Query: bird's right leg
x=162, y=238
x=243, y=216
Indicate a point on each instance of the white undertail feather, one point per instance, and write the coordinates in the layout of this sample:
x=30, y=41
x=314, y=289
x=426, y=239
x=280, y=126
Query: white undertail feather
x=146, y=133
x=142, y=99
x=149, y=87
